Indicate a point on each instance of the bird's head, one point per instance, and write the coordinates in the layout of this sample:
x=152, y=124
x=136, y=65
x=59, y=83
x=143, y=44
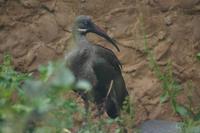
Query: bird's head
x=83, y=25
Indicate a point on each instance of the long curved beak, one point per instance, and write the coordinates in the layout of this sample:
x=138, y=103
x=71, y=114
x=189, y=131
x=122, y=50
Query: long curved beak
x=103, y=34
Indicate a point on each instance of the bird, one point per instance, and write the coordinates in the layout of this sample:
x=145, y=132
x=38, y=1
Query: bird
x=97, y=65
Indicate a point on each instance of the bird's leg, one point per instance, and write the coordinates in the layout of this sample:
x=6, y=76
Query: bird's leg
x=101, y=106
x=86, y=114
x=86, y=104
x=100, y=110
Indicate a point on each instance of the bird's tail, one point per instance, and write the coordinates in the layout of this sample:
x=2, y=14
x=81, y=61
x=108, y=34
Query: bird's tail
x=116, y=96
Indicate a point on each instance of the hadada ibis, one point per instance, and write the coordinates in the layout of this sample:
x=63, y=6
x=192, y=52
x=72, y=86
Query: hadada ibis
x=99, y=66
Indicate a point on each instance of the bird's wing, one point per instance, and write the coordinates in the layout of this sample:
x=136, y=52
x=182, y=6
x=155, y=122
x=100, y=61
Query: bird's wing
x=109, y=56
x=107, y=70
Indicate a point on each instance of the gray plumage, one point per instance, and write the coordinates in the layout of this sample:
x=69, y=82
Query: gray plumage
x=99, y=66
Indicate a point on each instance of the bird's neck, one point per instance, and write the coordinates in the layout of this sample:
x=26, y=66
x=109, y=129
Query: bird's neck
x=80, y=39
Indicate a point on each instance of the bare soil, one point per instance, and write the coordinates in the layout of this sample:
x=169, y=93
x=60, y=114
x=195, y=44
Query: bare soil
x=37, y=31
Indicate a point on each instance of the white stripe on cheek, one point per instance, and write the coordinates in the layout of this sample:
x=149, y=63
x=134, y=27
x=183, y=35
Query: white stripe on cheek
x=82, y=30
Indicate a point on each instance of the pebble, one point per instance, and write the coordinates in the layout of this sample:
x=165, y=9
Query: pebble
x=168, y=21
x=162, y=35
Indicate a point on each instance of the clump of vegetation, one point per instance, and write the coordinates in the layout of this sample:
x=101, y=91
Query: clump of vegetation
x=25, y=100
x=172, y=89
x=198, y=56
x=46, y=103
x=11, y=95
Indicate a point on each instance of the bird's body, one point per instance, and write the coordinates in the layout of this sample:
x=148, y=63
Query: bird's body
x=101, y=68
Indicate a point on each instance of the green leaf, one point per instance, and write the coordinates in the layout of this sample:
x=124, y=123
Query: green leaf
x=34, y=88
x=84, y=85
x=63, y=78
x=21, y=108
x=198, y=56
x=164, y=97
x=181, y=110
x=2, y=102
x=43, y=104
x=43, y=130
x=46, y=71
x=117, y=130
x=197, y=116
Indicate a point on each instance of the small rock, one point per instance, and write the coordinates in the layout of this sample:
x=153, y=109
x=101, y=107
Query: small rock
x=164, y=126
x=168, y=21
x=161, y=35
x=160, y=126
x=170, y=40
x=30, y=3
x=161, y=50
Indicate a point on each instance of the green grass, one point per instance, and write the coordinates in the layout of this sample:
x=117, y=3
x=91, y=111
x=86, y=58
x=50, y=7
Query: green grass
x=198, y=56
x=48, y=102
x=171, y=89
